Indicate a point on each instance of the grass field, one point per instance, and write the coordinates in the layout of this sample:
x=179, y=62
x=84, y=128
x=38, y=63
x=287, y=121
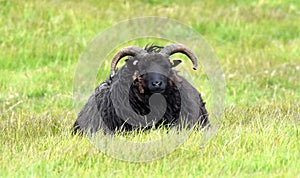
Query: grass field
x=258, y=46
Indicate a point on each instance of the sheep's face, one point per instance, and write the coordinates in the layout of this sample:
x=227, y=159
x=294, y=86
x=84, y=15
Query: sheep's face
x=154, y=70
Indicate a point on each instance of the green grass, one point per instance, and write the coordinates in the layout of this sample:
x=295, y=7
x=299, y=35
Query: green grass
x=258, y=46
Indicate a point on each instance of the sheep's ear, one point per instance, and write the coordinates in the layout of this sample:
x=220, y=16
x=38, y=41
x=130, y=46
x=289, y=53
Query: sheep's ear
x=176, y=63
x=132, y=63
x=135, y=62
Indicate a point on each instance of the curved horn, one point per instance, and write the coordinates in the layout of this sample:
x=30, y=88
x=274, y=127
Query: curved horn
x=127, y=51
x=180, y=48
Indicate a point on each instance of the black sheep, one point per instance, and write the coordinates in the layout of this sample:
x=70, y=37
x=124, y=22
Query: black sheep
x=145, y=92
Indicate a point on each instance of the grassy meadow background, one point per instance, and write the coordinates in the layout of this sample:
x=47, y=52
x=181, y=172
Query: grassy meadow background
x=258, y=46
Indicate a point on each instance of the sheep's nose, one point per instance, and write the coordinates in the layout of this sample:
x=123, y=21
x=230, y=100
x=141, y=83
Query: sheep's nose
x=156, y=83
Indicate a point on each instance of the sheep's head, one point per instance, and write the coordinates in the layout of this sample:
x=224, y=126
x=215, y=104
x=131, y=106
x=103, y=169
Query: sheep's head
x=152, y=66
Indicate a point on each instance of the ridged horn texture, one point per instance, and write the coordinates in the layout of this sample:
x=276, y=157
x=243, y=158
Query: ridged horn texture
x=127, y=51
x=180, y=48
